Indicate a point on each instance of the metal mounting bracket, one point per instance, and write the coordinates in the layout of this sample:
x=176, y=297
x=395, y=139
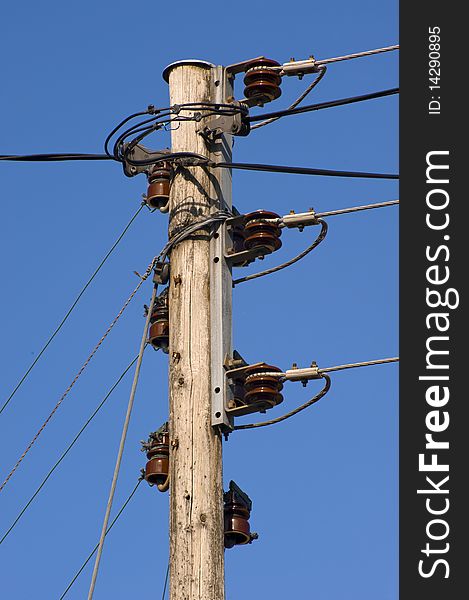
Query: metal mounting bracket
x=219, y=125
x=245, y=257
x=140, y=153
x=220, y=276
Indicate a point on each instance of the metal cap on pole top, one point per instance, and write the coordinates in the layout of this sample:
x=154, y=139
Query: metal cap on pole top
x=186, y=63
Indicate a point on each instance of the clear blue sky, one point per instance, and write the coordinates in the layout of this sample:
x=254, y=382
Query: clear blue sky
x=323, y=484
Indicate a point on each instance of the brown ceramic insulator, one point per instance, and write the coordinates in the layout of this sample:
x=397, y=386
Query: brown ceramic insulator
x=262, y=81
x=262, y=234
x=261, y=387
x=236, y=522
x=157, y=467
x=156, y=470
x=159, y=186
x=158, y=335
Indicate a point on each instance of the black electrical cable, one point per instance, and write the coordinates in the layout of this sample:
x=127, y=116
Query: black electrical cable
x=53, y=157
x=90, y=556
x=331, y=104
x=70, y=310
x=121, y=124
x=290, y=262
x=301, y=170
x=313, y=400
x=66, y=451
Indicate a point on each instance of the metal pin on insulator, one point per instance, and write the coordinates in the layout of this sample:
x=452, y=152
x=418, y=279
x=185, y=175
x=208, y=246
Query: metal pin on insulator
x=262, y=387
x=237, y=510
x=157, y=450
x=159, y=323
x=261, y=81
x=262, y=229
x=159, y=186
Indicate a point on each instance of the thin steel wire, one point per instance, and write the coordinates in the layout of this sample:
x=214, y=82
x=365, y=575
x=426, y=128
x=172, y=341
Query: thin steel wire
x=70, y=310
x=90, y=556
x=165, y=582
x=64, y=454
x=368, y=363
x=122, y=444
x=342, y=211
x=77, y=376
x=326, y=61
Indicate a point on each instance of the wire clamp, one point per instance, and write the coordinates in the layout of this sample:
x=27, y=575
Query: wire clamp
x=235, y=124
x=140, y=154
x=161, y=273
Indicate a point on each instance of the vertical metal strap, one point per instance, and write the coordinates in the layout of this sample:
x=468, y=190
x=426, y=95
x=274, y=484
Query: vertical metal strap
x=220, y=271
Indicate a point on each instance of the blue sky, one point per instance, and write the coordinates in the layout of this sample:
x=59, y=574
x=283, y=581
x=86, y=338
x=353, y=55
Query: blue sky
x=323, y=484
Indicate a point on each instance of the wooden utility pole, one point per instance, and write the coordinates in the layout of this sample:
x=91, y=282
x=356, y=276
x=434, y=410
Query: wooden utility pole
x=196, y=487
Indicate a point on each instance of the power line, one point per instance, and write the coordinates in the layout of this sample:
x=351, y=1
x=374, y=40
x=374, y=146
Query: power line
x=326, y=61
x=64, y=454
x=368, y=363
x=301, y=170
x=311, y=65
x=165, y=582
x=322, y=105
x=75, y=302
x=319, y=373
x=300, y=99
x=56, y=157
x=313, y=400
x=342, y=211
x=290, y=262
x=96, y=547
x=122, y=443
x=77, y=376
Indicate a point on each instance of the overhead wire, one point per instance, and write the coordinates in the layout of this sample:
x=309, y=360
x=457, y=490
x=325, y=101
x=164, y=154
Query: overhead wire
x=90, y=556
x=70, y=310
x=368, y=363
x=165, y=582
x=310, y=88
x=352, y=209
x=326, y=61
x=120, y=452
x=292, y=261
x=79, y=373
x=300, y=170
x=322, y=373
x=323, y=105
x=66, y=451
x=55, y=157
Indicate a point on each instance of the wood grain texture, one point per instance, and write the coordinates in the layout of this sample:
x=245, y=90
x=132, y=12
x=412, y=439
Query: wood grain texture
x=196, y=492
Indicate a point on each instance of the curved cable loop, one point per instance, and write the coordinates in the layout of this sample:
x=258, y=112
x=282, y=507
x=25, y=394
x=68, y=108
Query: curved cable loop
x=313, y=400
x=317, y=241
x=321, y=72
